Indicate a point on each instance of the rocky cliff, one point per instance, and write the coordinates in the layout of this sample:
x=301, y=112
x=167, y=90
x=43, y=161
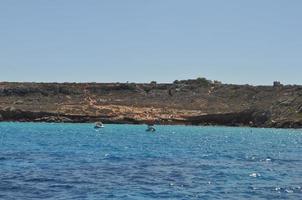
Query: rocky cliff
x=198, y=102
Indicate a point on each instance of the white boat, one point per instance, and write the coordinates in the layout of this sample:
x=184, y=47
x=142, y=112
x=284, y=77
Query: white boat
x=99, y=125
x=150, y=128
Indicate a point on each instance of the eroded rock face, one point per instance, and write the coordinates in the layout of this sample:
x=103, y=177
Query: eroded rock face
x=184, y=102
x=244, y=118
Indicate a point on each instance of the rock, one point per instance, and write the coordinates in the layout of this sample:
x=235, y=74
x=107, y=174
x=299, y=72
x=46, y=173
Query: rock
x=10, y=109
x=53, y=119
x=19, y=102
x=185, y=101
x=299, y=109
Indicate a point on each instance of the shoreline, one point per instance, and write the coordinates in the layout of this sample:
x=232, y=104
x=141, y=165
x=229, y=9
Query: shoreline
x=145, y=122
x=248, y=118
x=140, y=124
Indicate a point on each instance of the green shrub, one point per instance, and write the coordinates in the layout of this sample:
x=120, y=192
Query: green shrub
x=203, y=81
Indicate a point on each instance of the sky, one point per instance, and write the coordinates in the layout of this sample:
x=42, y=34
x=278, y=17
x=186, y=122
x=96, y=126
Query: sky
x=234, y=41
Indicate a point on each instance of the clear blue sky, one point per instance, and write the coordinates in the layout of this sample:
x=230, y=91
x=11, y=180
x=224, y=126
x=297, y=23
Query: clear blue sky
x=235, y=41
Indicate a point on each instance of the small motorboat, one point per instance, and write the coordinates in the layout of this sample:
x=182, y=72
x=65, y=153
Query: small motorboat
x=98, y=125
x=150, y=128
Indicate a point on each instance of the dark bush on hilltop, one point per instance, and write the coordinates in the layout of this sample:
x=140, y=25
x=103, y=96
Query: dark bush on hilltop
x=19, y=91
x=203, y=81
x=176, y=82
x=132, y=87
x=199, y=81
x=217, y=82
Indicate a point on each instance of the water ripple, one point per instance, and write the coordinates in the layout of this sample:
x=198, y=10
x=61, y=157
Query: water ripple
x=73, y=161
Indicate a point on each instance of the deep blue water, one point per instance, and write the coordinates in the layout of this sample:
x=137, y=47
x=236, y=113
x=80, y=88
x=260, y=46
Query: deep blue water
x=74, y=161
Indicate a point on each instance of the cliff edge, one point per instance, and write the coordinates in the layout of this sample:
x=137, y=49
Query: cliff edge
x=197, y=102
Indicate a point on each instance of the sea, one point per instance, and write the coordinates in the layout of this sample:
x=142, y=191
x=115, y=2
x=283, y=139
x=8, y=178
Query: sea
x=75, y=161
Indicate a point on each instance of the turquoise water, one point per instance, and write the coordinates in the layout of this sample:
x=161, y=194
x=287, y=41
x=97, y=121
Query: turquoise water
x=74, y=161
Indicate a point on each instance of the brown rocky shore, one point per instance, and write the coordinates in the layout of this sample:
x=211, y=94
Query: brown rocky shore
x=191, y=102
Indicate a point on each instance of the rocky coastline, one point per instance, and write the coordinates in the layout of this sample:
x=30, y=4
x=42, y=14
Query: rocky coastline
x=188, y=102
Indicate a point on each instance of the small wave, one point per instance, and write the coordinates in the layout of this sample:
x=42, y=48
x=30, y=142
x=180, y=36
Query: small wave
x=3, y=158
x=63, y=186
x=112, y=157
x=257, y=159
x=294, y=189
x=255, y=175
x=39, y=180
